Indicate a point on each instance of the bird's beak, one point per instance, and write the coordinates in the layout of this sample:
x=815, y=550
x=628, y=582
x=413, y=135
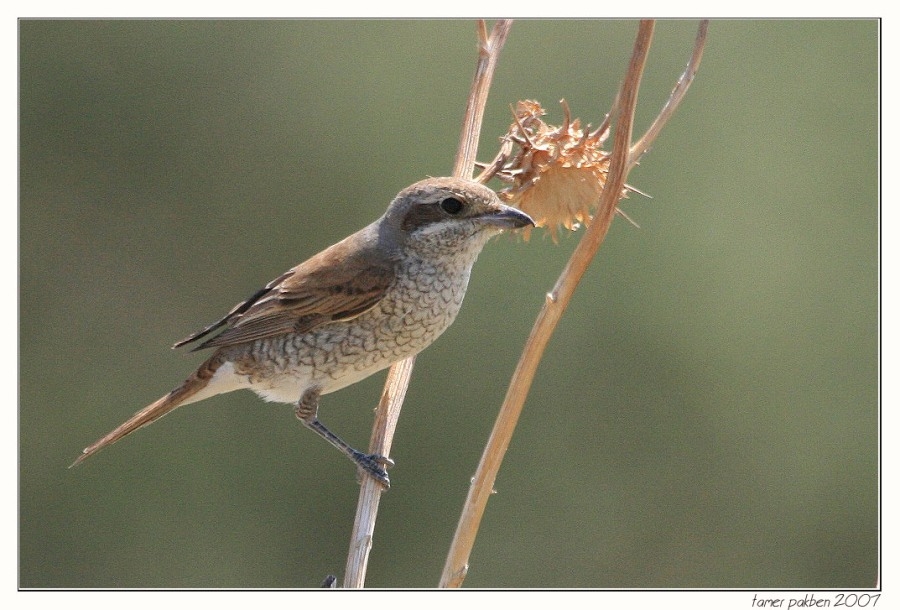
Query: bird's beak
x=506, y=217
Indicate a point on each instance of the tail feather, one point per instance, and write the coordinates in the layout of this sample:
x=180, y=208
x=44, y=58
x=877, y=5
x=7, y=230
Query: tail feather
x=168, y=403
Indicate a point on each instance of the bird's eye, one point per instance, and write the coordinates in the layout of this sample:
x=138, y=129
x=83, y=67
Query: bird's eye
x=452, y=206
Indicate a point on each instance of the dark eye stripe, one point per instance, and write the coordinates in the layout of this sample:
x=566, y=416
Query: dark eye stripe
x=425, y=214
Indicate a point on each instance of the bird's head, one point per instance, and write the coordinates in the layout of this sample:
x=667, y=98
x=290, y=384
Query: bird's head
x=450, y=214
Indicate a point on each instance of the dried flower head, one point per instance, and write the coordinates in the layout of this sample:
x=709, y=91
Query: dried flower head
x=555, y=174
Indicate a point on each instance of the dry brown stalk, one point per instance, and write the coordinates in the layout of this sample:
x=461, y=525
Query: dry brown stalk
x=389, y=406
x=623, y=157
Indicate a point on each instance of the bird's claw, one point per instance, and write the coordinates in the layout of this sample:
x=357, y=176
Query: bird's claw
x=374, y=465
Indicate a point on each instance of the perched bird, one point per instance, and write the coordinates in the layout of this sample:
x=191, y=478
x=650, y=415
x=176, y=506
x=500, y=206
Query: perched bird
x=380, y=295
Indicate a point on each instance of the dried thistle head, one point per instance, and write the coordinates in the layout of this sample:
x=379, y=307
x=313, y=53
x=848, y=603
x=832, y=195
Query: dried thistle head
x=556, y=174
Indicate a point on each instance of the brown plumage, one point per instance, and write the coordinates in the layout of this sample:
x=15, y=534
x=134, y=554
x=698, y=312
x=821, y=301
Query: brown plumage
x=338, y=283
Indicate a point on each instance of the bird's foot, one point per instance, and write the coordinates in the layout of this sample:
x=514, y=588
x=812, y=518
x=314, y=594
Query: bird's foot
x=374, y=465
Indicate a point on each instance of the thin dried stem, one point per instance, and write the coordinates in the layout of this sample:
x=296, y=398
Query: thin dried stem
x=681, y=87
x=370, y=492
x=490, y=170
x=622, y=160
x=488, y=52
x=394, y=392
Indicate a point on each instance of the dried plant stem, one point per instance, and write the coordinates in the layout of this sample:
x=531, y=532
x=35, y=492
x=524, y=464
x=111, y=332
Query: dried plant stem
x=681, y=87
x=394, y=392
x=623, y=157
x=488, y=52
x=386, y=417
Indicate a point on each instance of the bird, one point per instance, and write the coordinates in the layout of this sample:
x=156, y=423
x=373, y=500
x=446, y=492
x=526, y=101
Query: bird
x=375, y=298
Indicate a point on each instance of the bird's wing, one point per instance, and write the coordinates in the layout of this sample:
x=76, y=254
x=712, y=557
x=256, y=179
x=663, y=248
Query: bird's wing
x=339, y=283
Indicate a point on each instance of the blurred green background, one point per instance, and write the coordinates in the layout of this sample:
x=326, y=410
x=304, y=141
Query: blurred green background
x=705, y=416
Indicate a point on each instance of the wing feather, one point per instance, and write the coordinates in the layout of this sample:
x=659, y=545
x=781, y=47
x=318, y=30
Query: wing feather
x=339, y=283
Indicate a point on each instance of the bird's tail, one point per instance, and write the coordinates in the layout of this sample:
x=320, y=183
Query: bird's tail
x=186, y=393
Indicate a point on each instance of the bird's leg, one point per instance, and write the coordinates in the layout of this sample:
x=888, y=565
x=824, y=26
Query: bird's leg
x=307, y=410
